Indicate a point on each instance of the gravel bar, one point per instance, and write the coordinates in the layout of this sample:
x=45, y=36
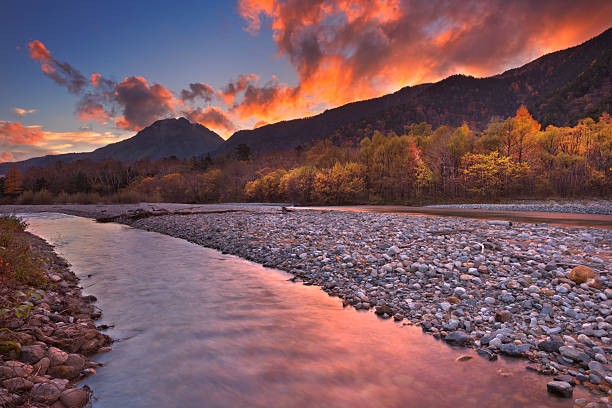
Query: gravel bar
x=574, y=207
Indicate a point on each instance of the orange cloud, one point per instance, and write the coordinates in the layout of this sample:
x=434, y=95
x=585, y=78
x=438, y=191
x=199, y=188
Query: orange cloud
x=213, y=118
x=95, y=79
x=16, y=133
x=39, y=52
x=347, y=50
x=7, y=157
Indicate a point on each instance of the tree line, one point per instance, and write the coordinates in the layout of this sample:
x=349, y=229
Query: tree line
x=511, y=158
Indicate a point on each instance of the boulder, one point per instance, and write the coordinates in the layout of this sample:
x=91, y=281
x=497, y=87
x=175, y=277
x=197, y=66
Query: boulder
x=458, y=338
x=64, y=371
x=17, y=384
x=74, y=398
x=580, y=274
x=46, y=393
x=574, y=354
x=32, y=354
x=560, y=388
x=42, y=366
x=12, y=369
x=57, y=356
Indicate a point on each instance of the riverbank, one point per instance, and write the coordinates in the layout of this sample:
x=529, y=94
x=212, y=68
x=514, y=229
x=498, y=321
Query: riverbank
x=500, y=287
x=590, y=206
x=47, y=333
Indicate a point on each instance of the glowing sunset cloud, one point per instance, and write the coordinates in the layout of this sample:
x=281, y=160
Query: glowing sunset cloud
x=341, y=51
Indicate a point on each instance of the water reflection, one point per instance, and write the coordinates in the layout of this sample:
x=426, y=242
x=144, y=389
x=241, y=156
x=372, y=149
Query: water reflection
x=202, y=329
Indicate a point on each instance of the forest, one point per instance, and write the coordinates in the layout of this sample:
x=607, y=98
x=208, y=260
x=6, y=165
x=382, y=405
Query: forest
x=511, y=158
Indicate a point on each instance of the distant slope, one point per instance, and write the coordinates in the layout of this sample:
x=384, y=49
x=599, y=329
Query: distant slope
x=164, y=138
x=557, y=87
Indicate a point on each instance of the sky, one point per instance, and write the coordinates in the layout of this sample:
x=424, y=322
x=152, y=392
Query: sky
x=77, y=75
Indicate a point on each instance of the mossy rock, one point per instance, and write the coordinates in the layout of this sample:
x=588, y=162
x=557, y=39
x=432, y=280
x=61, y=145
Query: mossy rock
x=64, y=371
x=10, y=349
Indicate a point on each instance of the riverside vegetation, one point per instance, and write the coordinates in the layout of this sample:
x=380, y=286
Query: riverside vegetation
x=47, y=328
x=510, y=158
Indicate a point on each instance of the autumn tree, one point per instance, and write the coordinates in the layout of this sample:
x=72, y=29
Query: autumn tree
x=13, y=182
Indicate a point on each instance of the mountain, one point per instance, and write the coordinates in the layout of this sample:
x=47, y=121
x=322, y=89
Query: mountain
x=558, y=88
x=163, y=138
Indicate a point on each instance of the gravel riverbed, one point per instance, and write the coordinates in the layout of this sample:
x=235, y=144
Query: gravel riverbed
x=575, y=207
x=500, y=287
x=535, y=291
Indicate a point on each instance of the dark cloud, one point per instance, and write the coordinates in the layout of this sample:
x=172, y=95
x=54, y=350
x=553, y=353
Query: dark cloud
x=61, y=72
x=197, y=90
x=213, y=118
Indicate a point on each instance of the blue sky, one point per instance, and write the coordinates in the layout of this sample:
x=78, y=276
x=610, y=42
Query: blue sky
x=252, y=61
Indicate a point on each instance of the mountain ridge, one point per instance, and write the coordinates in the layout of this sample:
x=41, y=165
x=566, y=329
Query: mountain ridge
x=558, y=88
x=163, y=138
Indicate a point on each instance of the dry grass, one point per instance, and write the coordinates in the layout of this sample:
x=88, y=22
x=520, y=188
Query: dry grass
x=17, y=261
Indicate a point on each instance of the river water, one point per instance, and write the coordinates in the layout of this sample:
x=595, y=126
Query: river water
x=196, y=328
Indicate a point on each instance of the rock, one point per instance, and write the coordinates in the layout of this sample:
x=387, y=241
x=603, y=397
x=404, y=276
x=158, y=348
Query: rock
x=584, y=339
x=560, y=388
x=74, y=398
x=393, y=251
x=514, y=350
x=453, y=300
x=567, y=378
x=32, y=354
x=76, y=361
x=64, y=371
x=46, y=393
x=574, y=354
x=580, y=274
x=11, y=350
x=17, y=384
x=12, y=369
x=550, y=346
x=503, y=316
x=445, y=306
x=42, y=366
x=486, y=353
x=56, y=356
x=495, y=343
x=384, y=309
x=458, y=338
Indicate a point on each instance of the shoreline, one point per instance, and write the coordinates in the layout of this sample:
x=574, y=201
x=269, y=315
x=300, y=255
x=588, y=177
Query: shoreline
x=498, y=287
x=52, y=346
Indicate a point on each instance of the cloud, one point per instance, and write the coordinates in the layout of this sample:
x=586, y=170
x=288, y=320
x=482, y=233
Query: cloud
x=16, y=133
x=61, y=72
x=213, y=118
x=23, y=112
x=342, y=51
x=347, y=50
x=234, y=87
x=197, y=90
x=7, y=157
x=143, y=104
x=139, y=102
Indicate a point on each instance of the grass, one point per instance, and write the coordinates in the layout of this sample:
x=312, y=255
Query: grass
x=17, y=261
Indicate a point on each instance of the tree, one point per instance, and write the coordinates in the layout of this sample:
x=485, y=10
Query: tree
x=13, y=182
x=243, y=152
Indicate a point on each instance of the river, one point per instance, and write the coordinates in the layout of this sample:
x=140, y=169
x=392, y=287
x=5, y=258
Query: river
x=197, y=328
